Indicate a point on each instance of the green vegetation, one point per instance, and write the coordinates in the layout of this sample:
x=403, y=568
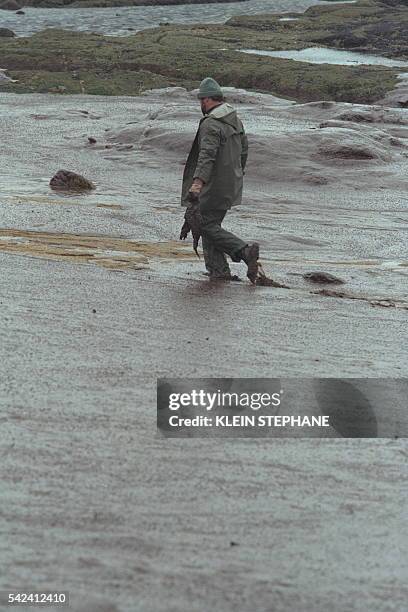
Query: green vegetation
x=72, y=62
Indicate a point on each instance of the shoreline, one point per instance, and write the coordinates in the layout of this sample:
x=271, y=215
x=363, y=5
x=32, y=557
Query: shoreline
x=68, y=62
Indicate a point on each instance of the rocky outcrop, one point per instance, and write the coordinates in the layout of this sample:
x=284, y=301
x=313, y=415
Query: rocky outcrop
x=64, y=180
x=371, y=26
x=338, y=143
x=356, y=116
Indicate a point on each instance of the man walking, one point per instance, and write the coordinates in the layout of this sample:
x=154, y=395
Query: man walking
x=213, y=179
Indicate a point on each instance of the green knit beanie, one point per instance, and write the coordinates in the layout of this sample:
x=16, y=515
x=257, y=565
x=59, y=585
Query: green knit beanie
x=209, y=88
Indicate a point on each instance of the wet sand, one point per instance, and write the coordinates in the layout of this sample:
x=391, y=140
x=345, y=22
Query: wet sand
x=94, y=501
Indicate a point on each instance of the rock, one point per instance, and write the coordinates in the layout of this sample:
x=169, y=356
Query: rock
x=347, y=144
x=20, y=13
x=70, y=181
x=338, y=294
x=91, y=140
x=385, y=303
x=323, y=277
x=397, y=142
x=335, y=123
x=389, y=304
x=6, y=33
x=356, y=116
x=10, y=5
x=347, y=152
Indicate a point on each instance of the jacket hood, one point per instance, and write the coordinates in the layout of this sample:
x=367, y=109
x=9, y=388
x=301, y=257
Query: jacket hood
x=227, y=114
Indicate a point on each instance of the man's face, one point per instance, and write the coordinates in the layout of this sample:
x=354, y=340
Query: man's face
x=204, y=103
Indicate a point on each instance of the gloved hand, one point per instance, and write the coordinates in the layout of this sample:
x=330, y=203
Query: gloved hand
x=195, y=190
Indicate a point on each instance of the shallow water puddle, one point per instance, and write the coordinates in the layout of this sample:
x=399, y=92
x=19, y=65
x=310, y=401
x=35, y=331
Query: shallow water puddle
x=105, y=251
x=324, y=55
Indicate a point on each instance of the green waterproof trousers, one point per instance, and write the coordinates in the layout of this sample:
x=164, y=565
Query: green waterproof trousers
x=217, y=242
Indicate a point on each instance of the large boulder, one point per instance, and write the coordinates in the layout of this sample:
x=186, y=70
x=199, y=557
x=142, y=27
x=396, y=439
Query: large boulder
x=6, y=33
x=64, y=180
x=10, y=5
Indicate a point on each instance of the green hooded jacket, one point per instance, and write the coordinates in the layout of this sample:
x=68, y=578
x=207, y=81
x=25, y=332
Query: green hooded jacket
x=218, y=157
